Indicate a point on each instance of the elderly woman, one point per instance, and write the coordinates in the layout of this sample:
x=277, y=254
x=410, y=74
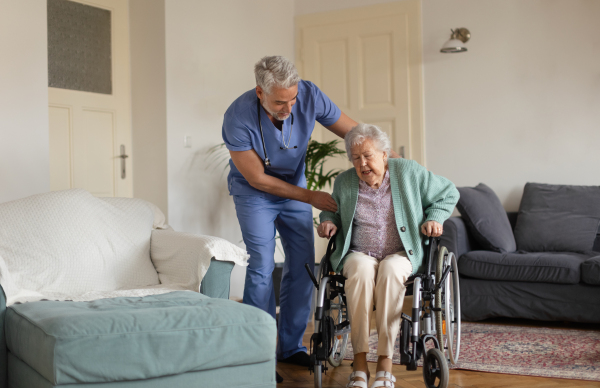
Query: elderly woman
x=385, y=208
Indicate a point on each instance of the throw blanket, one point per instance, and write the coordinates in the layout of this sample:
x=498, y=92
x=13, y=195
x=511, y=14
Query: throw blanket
x=70, y=245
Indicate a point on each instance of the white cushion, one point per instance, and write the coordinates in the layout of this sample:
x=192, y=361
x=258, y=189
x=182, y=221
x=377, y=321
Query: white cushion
x=70, y=242
x=182, y=259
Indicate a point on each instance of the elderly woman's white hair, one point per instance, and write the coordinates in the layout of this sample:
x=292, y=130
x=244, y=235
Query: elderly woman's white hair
x=362, y=132
x=275, y=71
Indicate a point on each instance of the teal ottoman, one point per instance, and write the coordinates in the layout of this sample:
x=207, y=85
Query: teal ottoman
x=179, y=339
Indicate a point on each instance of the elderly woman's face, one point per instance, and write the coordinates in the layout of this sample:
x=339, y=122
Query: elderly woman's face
x=369, y=162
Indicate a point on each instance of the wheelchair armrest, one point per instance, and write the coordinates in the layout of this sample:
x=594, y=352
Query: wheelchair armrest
x=456, y=237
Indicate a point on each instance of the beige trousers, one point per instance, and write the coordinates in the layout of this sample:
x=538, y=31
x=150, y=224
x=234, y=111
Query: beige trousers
x=380, y=283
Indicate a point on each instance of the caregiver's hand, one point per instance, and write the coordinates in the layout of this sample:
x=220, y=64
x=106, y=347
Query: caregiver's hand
x=432, y=229
x=326, y=229
x=322, y=201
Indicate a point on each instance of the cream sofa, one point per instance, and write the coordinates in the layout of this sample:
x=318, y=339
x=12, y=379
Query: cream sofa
x=99, y=291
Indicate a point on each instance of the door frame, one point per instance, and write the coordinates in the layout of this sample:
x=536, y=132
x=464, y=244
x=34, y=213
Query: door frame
x=415, y=60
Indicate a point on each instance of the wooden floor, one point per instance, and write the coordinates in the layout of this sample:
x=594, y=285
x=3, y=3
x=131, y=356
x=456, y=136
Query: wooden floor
x=300, y=377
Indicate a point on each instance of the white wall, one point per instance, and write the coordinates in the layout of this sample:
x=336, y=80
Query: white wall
x=523, y=103
x=211, y=51
x=24, y=144
x=302, y=7
x=149, y=101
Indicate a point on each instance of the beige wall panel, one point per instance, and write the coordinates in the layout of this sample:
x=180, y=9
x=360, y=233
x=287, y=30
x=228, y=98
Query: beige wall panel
x=99, y=140
x=149, y=101
x=333, y=57
x=60, y=147
x=24, y=146
x=376, y=76
x=388, y=127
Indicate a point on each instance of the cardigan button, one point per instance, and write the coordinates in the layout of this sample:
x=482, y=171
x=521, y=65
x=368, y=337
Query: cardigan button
x=410, y=252
x=403, y=229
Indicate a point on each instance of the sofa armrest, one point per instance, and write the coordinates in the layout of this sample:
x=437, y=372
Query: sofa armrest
x=183, y=259
x=456, y=237
x=216, y=282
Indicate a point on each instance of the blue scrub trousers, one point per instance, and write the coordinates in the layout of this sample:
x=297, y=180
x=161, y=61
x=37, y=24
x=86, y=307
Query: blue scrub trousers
x=259, y=217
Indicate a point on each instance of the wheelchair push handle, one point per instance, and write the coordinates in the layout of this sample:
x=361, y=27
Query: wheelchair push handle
x=312, y=276
x=330, y=247
x=325, y=261
x=430, y=252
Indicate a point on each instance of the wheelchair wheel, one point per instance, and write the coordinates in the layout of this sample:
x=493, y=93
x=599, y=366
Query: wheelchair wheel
x=451, y=310
x=338, y=312
x=435, y=369
x=437, y=298
x=447, y=298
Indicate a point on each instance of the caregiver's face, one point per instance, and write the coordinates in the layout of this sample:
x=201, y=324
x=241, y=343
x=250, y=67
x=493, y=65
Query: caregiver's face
x=369, y=162
x=279, y=102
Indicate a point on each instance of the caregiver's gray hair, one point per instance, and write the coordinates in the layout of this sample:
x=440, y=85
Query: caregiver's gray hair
x=362, y=132
x=275, y=71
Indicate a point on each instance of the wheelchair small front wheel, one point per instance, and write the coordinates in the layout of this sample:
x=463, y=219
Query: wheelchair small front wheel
x=436, y=373
x=339, y=313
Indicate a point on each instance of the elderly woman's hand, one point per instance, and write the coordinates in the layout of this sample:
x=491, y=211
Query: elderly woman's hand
x=326, y=229
x=432, y=229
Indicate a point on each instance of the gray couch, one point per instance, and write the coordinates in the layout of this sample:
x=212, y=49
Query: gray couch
x=548, y=285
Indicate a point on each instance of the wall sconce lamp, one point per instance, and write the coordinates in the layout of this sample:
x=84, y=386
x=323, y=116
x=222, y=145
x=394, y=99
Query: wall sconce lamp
x=456, y=43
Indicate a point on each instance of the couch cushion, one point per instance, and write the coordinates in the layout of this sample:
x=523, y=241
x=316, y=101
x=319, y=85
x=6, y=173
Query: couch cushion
x=590, y=271
x=596, y=247
x=124, y=339
x=486, y=219
x=558, y=218
x=542, y=267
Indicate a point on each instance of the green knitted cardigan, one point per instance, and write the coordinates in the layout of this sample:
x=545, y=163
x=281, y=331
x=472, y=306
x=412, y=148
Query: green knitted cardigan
x=417, y=195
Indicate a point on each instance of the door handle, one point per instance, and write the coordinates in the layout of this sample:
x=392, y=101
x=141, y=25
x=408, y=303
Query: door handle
x=401, y=153
x=123, y=156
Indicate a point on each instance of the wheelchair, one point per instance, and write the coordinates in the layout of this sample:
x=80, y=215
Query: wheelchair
x=435, y=317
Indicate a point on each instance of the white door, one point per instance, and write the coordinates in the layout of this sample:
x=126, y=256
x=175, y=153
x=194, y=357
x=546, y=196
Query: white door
x=368, y=61
x=90, y=131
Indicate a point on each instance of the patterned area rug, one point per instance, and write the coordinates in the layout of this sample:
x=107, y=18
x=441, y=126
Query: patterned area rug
x=530, y=351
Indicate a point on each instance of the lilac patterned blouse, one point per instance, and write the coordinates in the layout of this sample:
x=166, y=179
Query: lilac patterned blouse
x=374, y=230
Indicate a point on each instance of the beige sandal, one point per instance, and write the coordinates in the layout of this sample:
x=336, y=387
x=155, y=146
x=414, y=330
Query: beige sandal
x=389, y=382
x=354, y=383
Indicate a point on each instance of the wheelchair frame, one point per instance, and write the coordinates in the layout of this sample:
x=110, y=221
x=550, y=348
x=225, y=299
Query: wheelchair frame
x=436, y=304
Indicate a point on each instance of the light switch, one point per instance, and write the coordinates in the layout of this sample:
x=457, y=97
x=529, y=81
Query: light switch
x=187, y=141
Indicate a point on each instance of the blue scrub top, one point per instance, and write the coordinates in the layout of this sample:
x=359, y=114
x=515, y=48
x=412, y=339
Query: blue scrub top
x=241, y=133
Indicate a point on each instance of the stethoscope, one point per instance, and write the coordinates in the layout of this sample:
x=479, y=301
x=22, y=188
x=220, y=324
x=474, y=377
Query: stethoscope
x=267, y=162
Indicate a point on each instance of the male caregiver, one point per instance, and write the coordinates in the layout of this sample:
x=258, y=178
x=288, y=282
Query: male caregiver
x=267, y=130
